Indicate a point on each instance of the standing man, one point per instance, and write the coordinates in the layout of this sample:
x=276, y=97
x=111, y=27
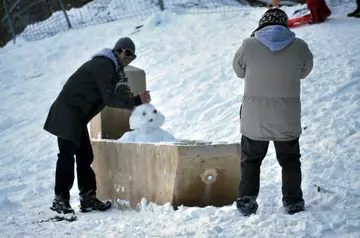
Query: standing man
x=319, y=10
x=275, y=4
x=97, y=83
x=272, y=62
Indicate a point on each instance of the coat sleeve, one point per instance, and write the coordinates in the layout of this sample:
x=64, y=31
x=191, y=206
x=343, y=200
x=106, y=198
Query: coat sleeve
x=308, y=62
x=239, y=65
x=112, y=97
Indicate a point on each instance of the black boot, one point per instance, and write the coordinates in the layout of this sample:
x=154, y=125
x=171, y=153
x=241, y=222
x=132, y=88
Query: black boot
x=292, y=208
x=355, y=13
x=247, y=206
x=89, y=202
x=60, y=205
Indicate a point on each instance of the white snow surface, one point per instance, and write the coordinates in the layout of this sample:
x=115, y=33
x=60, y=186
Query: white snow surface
x=187, y=59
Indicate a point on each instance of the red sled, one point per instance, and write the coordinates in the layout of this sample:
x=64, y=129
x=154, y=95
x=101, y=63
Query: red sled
x=298, y=21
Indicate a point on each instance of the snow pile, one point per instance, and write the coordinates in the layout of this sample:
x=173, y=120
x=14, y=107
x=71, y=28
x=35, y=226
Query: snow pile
x=146, y=122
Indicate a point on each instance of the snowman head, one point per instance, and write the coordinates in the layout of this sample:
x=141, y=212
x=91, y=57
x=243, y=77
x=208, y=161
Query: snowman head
x=146, y=118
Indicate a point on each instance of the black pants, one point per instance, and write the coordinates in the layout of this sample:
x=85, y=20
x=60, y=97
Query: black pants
x=288, y=154
x=357, y=6
x=65, y=167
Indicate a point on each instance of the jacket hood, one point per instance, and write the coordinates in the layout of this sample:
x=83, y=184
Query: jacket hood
x=108, y=54
x=275, y=37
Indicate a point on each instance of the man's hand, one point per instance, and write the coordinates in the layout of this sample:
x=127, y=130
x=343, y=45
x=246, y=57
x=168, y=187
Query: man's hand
x=145, y=97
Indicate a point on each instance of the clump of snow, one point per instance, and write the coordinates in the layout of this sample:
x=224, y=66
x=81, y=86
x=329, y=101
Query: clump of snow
x=7, y=205
x=158, y=19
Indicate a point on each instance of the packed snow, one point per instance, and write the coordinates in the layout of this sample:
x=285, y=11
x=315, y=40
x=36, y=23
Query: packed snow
x=188, y=63
x=145, y=124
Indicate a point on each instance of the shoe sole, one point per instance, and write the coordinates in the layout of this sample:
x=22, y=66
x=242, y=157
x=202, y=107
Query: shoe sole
x=90, y=209
x=292, y=212
x=62, y=212
x=246, y=211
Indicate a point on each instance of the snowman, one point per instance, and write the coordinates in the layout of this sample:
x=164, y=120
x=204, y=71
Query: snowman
x=145, y=122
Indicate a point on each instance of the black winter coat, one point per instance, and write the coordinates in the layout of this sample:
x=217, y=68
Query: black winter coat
x=92, y=87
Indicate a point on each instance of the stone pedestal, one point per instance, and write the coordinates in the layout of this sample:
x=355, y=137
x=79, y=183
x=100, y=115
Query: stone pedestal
x=182, y=174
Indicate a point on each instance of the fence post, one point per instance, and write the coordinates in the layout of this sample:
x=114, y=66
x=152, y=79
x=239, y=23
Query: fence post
x=64, y=11
x=161, y=3
x=11, y=25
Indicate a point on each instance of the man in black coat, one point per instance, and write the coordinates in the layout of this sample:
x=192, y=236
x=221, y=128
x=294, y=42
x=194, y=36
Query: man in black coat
x=97, y=83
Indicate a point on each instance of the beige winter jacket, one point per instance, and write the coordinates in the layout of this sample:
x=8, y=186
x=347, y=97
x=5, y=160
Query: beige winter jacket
x=272, y=69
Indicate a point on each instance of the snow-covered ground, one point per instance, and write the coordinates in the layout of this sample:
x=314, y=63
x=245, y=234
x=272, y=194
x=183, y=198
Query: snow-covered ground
x=188, y=61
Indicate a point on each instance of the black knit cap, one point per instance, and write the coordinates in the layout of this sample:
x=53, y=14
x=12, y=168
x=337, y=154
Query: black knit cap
x=274, y=16
x=271, y=17
x=125, y=43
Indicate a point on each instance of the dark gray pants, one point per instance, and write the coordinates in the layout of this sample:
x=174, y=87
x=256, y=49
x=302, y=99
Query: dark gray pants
x=288, y=154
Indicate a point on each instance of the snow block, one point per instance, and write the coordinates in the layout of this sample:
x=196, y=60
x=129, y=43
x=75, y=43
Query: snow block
x=112, y=123
x=186, y=173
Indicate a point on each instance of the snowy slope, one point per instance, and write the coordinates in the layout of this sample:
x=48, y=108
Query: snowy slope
x=187, y=59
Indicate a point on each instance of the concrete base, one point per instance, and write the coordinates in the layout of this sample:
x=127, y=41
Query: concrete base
x=183, y=174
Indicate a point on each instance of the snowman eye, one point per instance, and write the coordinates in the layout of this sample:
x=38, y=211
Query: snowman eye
x=144, y=113
x=155, y=111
